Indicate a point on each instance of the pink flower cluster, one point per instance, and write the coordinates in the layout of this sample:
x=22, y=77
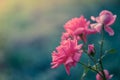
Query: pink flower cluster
x=77, y=29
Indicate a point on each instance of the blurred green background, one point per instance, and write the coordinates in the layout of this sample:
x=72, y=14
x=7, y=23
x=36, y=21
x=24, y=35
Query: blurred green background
x=31, y=29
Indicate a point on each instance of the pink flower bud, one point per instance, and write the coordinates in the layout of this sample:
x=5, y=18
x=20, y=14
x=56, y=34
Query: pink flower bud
x=91, y=49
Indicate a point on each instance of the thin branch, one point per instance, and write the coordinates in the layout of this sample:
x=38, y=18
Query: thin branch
x=101, y=53
x=90, y=68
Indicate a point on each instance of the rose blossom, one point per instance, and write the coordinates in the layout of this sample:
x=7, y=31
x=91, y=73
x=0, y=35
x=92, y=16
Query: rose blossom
x=78, y=28
x=107, y=75
x=68, y=53
x=105, y=18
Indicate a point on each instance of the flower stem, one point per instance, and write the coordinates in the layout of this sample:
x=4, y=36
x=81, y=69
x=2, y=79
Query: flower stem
x=99, y=59
x=90, y=57
x=89, y=67
x=101, y=53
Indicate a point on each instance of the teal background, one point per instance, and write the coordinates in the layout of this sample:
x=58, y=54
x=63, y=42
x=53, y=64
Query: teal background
x=31, y=29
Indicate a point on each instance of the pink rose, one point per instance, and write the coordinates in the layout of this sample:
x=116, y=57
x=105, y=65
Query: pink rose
x=78, y=28
x=105, y=18
x=68, y=53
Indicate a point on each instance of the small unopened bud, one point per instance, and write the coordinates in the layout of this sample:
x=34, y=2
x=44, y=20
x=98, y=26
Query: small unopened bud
x=91, y=49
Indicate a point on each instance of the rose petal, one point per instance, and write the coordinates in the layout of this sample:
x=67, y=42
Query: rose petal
x=109, y=30
x=67, y=68
x=112, y=21
x=97, y=27
x=77, y=56
x=69, y=60
x=93, y=18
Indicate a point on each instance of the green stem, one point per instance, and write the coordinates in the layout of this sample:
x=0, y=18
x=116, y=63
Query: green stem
x=101, y=53
x=89, y=67
x=91, y=58
x=101, y=59
x=102, y=42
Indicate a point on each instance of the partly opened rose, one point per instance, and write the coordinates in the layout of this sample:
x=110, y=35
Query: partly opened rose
x=105, y=18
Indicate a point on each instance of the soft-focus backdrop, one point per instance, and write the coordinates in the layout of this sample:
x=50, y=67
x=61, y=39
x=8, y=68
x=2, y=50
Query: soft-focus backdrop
x=31, y=29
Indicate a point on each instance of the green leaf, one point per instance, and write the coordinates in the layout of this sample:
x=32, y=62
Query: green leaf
x=111, y=51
